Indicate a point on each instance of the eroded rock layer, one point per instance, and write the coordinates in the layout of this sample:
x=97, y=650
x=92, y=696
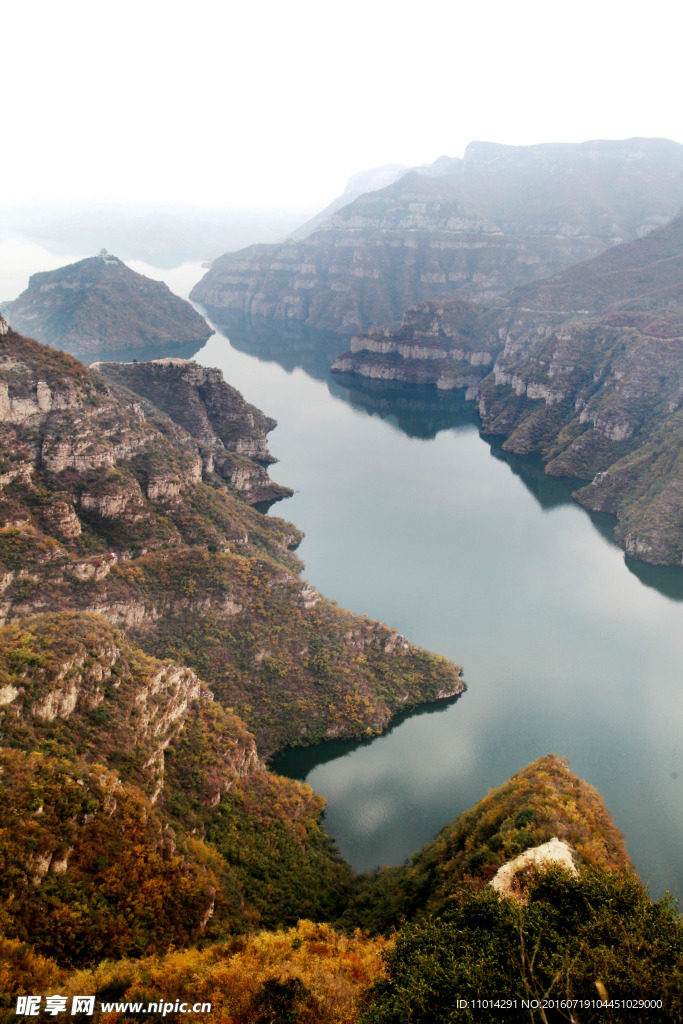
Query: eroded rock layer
x=475, y=227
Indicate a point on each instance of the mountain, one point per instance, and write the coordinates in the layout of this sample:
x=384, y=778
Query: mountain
x=584, y=368
x=500, y=217
x=116, y=506
x=549, y=936
x=100, y=305
x=131, y=570
x=526, y=812
x=229, y=434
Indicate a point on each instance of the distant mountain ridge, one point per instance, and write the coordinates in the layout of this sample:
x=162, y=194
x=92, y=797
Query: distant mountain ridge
x=99, y=304
x=358, y=183
x=477, y=227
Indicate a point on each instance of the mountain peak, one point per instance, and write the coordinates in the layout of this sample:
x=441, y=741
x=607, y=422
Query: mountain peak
x=100, y=305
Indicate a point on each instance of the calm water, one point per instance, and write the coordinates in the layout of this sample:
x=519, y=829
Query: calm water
x=411, y=517
x=414, y=519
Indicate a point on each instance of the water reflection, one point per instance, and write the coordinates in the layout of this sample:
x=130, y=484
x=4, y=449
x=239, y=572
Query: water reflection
x=297, y=762
x=417, y=412
x=549, y=491
x=420, y=412
x=287, y=342
x=666, y=579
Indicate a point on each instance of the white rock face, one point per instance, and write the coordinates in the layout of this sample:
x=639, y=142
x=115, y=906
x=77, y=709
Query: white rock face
x=554, y=852
x=58, y=703
x=309, y=596
x=8, y=694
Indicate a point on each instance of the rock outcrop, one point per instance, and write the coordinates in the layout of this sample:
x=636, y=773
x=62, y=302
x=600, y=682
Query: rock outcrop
x=510, y=878
x=114, y=766
x=475, y=227
x=540, y=811
x=435, y=343
x=591, y=377
x=86, y=687
x=100, y=305
x=230, y=433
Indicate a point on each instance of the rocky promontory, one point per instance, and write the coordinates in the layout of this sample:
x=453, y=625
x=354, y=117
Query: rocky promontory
x=230, y=433
x=435, y=343
x=100, y=305
x=500, y=217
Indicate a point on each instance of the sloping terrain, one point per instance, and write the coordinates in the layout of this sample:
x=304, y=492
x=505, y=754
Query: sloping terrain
x=100, y=305
x=543, y=801
x=230, y=434
x=129, y=797
x=474, y=228
x=112, y=509
x=137, y=811
x=596, y=386
x=463, y=951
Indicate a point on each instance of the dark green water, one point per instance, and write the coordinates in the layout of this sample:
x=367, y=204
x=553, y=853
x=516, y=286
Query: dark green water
x=411, y=517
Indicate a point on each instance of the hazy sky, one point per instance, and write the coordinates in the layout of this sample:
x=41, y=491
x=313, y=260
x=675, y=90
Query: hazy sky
x=279, y=102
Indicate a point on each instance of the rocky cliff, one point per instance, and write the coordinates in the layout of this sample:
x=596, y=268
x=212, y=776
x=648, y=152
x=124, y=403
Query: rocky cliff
x=109, y=505
x=435, y=343
x=230, y=433
x=100, y=305
x=126, y=794
x=585, y=368
x=596, y=386
x=475, y=227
